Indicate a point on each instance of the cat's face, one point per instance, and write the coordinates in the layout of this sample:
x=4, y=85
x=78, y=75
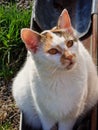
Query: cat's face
x=57, y=47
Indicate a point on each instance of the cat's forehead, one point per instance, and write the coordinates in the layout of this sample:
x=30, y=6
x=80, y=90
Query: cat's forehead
x=56, y=37
x=51, y=34
x=53, y=38
x=47, y=34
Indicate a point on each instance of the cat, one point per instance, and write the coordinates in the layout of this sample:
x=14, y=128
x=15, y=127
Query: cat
x=58, y=81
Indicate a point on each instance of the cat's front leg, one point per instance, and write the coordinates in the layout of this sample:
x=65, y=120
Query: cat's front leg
x=67, y=125
x=47, y=124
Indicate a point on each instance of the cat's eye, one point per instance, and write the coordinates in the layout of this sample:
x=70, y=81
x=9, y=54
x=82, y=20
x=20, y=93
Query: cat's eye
x=53, y=51
x=69, y=43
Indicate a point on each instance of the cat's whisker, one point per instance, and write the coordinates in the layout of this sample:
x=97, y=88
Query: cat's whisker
x=55, y=70
x=49, y=68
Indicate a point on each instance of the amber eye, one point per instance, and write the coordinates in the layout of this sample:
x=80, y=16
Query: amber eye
x=53, y=51
x=69, y=43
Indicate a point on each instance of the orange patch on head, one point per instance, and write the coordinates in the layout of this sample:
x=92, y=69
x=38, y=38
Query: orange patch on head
x=47, y=40
x=49, y=36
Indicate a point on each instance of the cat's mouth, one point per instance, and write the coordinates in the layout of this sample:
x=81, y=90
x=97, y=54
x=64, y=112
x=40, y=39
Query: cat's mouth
x=69, y=65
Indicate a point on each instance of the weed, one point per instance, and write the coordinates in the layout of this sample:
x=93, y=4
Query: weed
x=6, y=126
x=12, y=51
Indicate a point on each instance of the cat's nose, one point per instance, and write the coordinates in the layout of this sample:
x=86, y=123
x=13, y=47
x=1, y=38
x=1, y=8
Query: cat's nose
x=69, y=57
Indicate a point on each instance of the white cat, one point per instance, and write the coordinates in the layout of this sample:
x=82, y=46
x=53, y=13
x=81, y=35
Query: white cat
x=59, y=79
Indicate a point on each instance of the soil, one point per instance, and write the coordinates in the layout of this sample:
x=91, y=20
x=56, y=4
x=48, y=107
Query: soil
x=9, y=113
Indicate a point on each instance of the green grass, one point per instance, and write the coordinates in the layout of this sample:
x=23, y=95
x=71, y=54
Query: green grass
x=12, y=50
x=6, y=126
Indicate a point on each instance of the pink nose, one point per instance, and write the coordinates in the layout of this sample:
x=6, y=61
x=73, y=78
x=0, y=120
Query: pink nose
x=69, y=57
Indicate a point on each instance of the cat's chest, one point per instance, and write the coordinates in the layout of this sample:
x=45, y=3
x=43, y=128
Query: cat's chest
x=59, y=94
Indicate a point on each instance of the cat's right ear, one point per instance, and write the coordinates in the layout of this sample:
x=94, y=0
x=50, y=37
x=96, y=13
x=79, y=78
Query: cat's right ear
x=64, y=21
x=31, y=39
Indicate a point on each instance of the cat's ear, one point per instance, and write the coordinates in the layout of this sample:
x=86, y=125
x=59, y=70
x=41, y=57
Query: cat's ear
x=64, y=21
x=30, y=38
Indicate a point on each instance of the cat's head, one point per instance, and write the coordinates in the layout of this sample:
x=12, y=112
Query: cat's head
x=57, y=47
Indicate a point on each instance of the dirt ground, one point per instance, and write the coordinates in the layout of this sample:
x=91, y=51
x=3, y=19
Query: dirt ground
x=9, y=113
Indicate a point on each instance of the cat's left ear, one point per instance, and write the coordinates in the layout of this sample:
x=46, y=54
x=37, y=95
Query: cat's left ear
x=31, y=39
x=64, y=21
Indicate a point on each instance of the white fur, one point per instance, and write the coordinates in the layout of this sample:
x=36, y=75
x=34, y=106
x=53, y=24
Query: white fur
x=54, y=93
